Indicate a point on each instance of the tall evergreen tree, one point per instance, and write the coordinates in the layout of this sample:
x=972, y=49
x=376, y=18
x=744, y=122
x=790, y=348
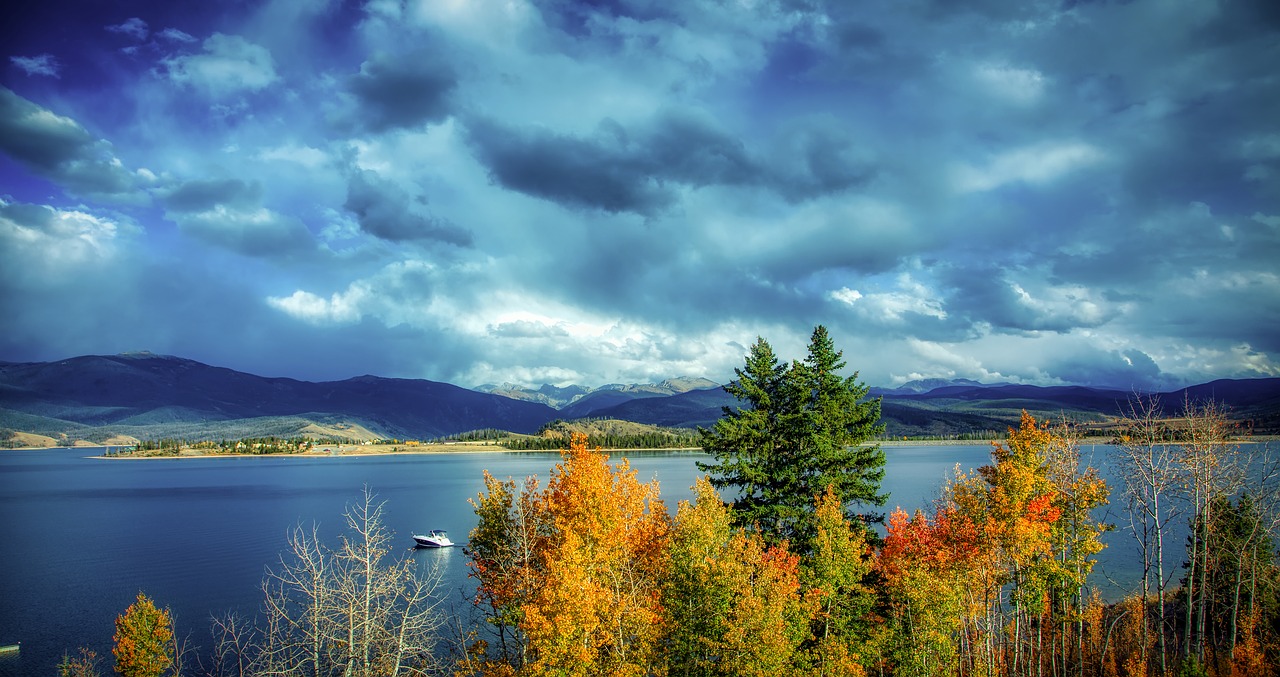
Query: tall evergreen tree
x=800, y=429
x=745, y=441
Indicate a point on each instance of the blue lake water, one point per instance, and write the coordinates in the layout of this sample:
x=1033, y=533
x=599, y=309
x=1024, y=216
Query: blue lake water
x=80, y=536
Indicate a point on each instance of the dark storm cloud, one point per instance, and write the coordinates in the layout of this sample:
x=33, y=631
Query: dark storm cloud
x=819, y=158
x=639, y=170
x=598, y=172
x=385, y=210
x=38, y=217
x=1128, y=370
x=403, y=90
x=203, y=195
x=229, y=213
x=59, y=149
x=264, y=233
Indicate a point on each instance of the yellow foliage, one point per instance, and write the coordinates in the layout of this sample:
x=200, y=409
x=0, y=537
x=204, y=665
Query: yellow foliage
x=596, y=610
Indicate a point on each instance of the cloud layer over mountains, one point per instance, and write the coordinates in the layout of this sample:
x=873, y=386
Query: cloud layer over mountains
x=623, y=191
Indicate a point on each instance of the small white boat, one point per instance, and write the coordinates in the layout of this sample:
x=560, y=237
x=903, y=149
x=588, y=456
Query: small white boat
x=436, y=538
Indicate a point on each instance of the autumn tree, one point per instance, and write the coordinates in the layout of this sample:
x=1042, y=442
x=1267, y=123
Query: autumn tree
x=504, y=547
x=937, y=583
x=572, y=572
x=835, y=575
x=1012, y=503
x=993, y=581
x=697, y=595
x=595, y=611
x=143, y=640
x=1075, y=540
x=732, y=604
x=798, y=430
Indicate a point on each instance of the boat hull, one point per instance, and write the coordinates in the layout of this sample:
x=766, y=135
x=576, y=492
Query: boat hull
x=433, y=540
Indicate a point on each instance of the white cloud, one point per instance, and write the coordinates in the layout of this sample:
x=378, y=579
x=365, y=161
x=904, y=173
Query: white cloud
x=229, y=65
x=1245, y=358
x=252, y=231
x=846, y=295
x=41, y=64
x=1266, y=220
x=1035, y=164
x=306, y=156
x=1205, y=362
x=497, y=24
x=892, y=307
x=400, y=293
x=936, y=360
x=1062, y=306
x=175, y=35
x=1017, y=85
x=339, y=308
x=1261, y=147
x=51, y=237
x=132, y=27
x=59, y=148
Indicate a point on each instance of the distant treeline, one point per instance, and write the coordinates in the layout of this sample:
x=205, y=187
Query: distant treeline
x=956, y=437
x=481, y=435
x=667, y=439
x=555, y=436
x=248, y=445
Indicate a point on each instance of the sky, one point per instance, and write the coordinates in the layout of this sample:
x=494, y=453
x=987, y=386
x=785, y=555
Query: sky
x=623, y=191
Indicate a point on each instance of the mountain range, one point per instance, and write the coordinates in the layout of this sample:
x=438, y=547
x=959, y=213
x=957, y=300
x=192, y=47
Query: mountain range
x=148, y=396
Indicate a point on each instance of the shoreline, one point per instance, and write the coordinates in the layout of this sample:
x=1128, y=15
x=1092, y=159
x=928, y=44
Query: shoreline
x=350, y=451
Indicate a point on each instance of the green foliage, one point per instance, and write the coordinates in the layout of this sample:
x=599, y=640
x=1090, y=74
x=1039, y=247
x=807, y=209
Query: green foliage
x=696, y=595
x=733, y=604
x=835, y=574
x=481, y=435
x=1190, y=667
x=802, y=428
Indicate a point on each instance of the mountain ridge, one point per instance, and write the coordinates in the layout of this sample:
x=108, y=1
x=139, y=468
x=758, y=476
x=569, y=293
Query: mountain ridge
x=562, y=397
x=148, y=395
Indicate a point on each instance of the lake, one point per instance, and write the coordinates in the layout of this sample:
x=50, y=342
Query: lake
x=81, y=535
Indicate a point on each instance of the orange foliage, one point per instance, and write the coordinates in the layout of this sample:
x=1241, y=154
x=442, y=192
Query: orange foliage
x=596, y=608
x=944, y=544
x=1249, y=659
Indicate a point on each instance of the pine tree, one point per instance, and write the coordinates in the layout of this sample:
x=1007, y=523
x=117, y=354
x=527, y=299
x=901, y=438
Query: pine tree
x=800, y=429
x=745, y=441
